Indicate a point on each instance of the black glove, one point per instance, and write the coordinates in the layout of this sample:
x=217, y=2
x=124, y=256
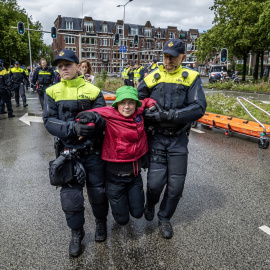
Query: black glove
x=80, y=173
x=87, y=117
x=158, y=115
x=83, y=130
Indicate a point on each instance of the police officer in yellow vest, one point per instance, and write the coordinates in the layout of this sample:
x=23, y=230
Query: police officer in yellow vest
x=154, y=65
x=42, y=79
x=125, y=74
x=63, y=101
x=18, y=76
x=6, y=90
x=180, y=101
x=138, y=74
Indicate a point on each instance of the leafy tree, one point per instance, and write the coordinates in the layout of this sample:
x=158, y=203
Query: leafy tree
x=236, y=27
x=14, y=46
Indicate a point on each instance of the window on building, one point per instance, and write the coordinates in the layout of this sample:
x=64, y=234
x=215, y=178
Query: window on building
x=100, y=42
x=143, y=56
x=93, y=41
x=193, y=36
x=158, y=45
x=104, y=42
x=131, y=43
x=134, y=31
x=188, y=47
x=158, y=35
x=149, y=45
x=171, y=35
x=148, y=32
x=104, y=28
x=88, y=26
x=85, y=40
x=119, y=29
x=70, y=40
x=71, y=48
x=69, y=25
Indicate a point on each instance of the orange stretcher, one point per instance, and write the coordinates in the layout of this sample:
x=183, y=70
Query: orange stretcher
x=236, y=125
x=109, y=97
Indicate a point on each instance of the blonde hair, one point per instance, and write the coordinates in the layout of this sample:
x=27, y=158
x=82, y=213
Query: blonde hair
x=89, y=66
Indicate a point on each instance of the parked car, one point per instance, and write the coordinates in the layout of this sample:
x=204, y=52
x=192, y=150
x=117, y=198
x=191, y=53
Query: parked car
x=216, y=72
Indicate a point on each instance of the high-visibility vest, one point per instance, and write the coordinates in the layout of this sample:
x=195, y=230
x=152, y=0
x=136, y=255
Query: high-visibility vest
x=125, y=73
x=137, y=74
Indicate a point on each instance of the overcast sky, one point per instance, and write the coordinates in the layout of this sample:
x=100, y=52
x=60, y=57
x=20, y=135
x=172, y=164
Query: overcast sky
x=184, y=14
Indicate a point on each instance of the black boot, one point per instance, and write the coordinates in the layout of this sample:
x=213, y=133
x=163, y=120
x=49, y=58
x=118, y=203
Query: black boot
x=101, y=230
x=18, y=104
x=166, y=229
x=3, y=112
x=11, y=115
x=149, y=212
x=25, y=104
x=75, y=246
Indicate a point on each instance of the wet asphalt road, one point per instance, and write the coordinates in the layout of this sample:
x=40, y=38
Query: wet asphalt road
x=216, y=225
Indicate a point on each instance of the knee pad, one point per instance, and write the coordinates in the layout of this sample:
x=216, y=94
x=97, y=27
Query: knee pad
x=96, y=194
x=72, y=199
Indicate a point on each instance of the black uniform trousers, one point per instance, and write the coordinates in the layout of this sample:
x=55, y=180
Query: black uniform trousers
x=19, y=91
x=126, y=196
x=72, y=199
x=6, y=99
x=168, y=168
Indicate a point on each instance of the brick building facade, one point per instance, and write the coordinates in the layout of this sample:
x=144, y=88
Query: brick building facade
x=94, y=40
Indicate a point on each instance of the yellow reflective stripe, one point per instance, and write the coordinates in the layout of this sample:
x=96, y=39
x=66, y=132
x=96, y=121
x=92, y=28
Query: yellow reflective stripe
x=175, y=78
x=44, y=72
x=17, y=70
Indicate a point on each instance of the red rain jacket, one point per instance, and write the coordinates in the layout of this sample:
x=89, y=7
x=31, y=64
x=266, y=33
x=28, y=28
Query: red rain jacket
x=125, y=139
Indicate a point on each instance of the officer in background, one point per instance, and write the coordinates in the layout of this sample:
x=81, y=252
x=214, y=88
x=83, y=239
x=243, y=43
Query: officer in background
x=180, y=101
x=6, y=90
x=18, y=76
x=42, y=79
x=63, y=101
x=125, y=74
x=138, y=74
x=154, y=65
x=131, y=76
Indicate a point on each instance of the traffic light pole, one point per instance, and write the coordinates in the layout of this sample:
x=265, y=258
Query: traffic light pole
x=30, y=54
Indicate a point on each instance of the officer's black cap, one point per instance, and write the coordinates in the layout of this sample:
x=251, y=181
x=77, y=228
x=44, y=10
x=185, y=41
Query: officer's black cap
x=65, y=55
x=1, y=62
x=16, y=63
x=174, y=47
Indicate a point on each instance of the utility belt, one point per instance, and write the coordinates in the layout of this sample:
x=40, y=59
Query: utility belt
x=169, y=132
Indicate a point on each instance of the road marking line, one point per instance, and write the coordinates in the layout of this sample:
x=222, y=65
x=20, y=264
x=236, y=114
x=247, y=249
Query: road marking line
x=197, y=130
x=265, y=229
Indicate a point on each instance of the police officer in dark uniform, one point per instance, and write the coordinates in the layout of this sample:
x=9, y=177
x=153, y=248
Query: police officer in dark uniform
x=18, y=76
x=180, y=101
x=62, y=102
x=42, y=79
x=6, y=90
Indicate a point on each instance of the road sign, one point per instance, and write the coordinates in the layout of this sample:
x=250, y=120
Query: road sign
x=123, y=48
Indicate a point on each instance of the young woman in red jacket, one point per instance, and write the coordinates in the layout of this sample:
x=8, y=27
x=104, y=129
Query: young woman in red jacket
x=124, y=150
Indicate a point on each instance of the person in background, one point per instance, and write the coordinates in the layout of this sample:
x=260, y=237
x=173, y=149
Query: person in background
x=125, y=76
x=18, y=76
x=6, y=91
x=180, y=101
x=87, y=70
x=138, y=74
x=42, y=79
x=131, y=76
x=63, y=101
x=154, y=65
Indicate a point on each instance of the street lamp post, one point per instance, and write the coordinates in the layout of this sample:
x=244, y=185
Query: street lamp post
x=124, y=29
